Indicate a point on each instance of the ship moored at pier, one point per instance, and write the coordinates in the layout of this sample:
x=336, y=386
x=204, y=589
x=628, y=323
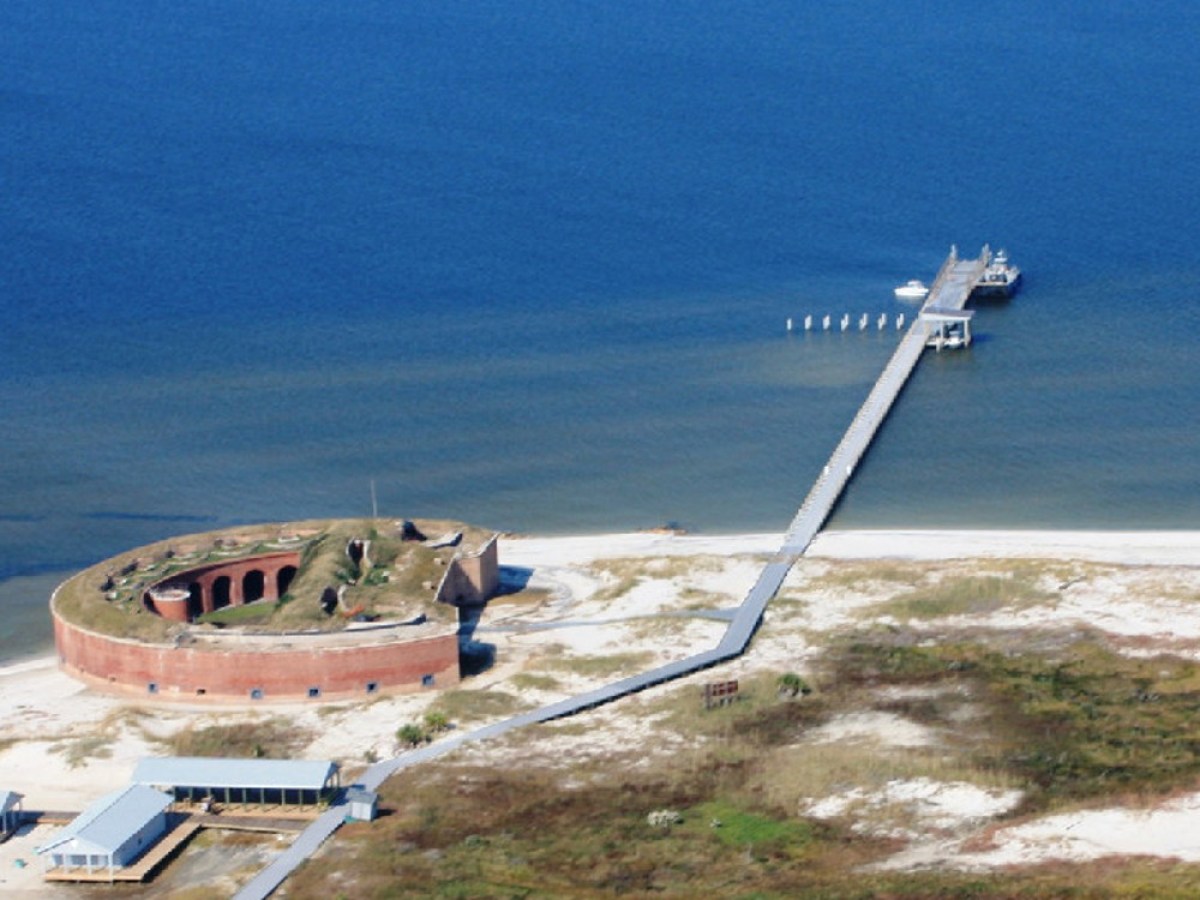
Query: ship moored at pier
x=1000, y=277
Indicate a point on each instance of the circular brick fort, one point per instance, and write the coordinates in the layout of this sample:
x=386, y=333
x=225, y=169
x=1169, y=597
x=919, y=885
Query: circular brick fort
x=303, y=611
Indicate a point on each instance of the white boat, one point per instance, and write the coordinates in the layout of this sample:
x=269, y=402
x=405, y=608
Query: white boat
x=913, y=290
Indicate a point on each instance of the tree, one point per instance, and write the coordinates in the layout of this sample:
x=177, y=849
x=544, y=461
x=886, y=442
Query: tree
x=436, y=721
x=411, y=735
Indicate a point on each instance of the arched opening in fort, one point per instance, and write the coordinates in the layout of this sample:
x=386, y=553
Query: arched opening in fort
x=253, y=586
x=195, y=602
x=221, y=592
x=283, y=580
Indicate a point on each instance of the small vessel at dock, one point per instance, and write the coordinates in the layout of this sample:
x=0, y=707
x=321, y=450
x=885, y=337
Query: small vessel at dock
x=912, y=290
x=999, y=278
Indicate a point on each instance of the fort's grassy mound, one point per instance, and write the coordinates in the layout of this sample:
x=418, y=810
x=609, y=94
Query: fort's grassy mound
x=394, y=577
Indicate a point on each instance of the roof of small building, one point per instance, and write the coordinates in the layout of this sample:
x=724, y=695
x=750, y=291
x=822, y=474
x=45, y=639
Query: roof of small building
x=105, y=825
x=265, y=774
x=946, y=314
x=360, y=795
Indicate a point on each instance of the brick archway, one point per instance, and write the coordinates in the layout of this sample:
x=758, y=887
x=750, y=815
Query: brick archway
x=217, y=585
x=221, y=592
x=254, y=585
x=283, y=579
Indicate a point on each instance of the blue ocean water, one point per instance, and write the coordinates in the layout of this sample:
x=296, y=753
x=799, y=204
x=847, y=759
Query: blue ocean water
x=528, y=264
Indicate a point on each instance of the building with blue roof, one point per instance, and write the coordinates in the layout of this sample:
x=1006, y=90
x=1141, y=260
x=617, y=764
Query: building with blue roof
x=111, y=833
x=246, y=781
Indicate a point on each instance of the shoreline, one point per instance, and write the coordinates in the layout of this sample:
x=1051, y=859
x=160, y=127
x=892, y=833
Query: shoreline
x=1149, y=548
x=1163, y=547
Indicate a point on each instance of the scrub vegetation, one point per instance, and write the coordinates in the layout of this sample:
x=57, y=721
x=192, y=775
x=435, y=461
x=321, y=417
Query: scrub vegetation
x=1063, y=718
x=963, y=596
x=275, y=738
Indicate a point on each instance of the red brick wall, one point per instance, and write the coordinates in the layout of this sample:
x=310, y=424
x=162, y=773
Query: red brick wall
x=283, y=674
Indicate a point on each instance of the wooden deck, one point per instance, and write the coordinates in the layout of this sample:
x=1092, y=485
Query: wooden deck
x=261, y=823
x=142, y=868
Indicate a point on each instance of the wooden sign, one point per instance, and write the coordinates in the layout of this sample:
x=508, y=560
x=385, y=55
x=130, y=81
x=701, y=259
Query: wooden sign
x=719, y=693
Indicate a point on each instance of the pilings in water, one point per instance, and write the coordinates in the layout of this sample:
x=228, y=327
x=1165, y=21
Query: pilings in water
x=826, y=322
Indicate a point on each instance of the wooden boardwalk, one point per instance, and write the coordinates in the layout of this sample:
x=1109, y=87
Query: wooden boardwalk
x=951, y=289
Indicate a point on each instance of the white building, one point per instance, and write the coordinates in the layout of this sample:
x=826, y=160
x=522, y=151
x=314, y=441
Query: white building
x=111, y=833
x=364, y=804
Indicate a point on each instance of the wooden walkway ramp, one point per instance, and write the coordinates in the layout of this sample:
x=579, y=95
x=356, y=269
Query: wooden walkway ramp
x=950, y=291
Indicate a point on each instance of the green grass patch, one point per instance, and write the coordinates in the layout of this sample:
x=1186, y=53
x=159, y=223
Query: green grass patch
x=535, y=681
x=464, y=706
x=854, y=575
x=275, y=738
x=963, y=596
x=248, y=614
x=735, y=827
x=599, y=666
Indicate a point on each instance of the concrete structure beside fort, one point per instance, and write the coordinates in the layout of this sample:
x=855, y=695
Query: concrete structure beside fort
x=304, y=611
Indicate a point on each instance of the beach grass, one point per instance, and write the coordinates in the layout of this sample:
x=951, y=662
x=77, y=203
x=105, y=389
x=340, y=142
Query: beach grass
x=78, y=751
x=597, y=666
x=967, y=595
x=273, y=738
x=535, y=681
x=465, y=706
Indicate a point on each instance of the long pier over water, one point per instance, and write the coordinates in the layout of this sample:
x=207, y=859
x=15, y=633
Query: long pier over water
x=955, y=281
x=948, y=296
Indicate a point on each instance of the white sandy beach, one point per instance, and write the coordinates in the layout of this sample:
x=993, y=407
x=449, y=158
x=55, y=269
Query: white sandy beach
x=44, y=713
